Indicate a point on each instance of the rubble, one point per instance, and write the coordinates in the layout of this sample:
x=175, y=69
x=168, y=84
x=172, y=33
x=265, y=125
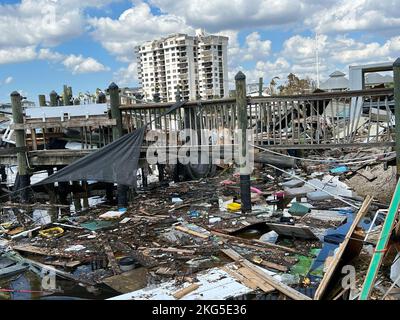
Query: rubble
x=179, y=242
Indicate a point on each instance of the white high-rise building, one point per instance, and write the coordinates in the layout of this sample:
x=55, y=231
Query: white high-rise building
x=193, y=66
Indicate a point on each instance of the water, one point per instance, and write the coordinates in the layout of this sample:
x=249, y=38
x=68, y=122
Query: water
x=29, y=281
x=66, y=290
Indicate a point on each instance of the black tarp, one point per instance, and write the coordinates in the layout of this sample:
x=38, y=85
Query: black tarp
x=117, y=162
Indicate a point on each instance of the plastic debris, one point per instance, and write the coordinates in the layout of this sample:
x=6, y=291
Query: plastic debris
x=270, y=237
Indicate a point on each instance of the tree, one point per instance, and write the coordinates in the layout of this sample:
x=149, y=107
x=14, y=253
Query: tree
x=295, y=85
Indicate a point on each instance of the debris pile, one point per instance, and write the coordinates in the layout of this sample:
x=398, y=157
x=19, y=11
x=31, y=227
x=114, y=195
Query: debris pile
x=190, y=240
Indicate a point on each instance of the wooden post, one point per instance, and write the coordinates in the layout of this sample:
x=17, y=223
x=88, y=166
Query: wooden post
x=396, y=76
x=241, y=106
x=67, y=93
x=115, y=112
x=42, y=100
x=260, y=86
x=101, y=98
x=122, y=191
x=53, y=99
x=20, y=141
x=51, y=190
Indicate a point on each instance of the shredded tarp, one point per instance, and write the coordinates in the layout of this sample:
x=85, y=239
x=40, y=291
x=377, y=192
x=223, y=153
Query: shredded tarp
x=117, y=162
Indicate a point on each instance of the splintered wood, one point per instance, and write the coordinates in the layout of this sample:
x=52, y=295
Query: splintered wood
x=111, y=259
x=266, y=279
x=185, y=291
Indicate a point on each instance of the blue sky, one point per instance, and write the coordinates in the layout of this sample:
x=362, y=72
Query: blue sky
x=87, y=44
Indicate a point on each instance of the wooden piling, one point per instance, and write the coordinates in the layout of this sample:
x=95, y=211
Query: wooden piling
x=115, y=112
x=42, y=100
x=122, y=191
x=67, y=95
x=20, y=142
x=53, y=99
x=260, y=86
x=241, y=106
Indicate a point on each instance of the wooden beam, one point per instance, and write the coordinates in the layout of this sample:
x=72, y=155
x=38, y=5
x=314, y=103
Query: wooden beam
x=191, y=232
x=185, y=291
x=71, y=123
x=341, y=250
x=260, y=244
x=111, y=258
x=290, y=292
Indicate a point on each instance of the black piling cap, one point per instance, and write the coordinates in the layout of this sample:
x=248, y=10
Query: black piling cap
x=53, y=93
x=240, y=76
x=113, y=86
x=396, y=63
x=15, y=94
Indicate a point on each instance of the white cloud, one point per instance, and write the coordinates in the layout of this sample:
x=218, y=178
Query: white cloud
x=134, y=26
x=38, y=22
x=79, y=65
x=47, y=54
x=357, y=15
x=43, y=22
x=255, y=47
x=237, y=14
x=8, y=80
x=127, y=76
x=17, y=54
x=73, y=63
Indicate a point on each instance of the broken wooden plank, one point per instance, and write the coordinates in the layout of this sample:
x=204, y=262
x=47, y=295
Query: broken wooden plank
x=271, y=265
x=191, y=232
x=290, y=292
x=240, y=278
x=254, y=243
x=170, y=250
x=338, y=256
x=41, y=251
x=111, y=259
x=254, y=278
x=185, y=291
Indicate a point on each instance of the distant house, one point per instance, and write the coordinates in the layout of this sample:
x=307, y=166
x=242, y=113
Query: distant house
x=336, y=82
x=375, y=79
x=28, y=104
